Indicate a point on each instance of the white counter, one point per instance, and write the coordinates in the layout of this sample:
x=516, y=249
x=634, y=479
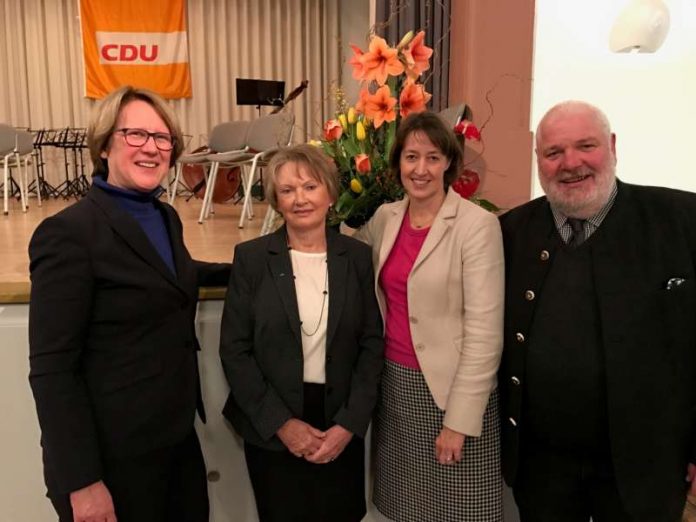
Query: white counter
x=22, y=492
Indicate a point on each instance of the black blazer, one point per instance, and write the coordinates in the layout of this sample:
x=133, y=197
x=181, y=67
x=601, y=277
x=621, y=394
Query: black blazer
x=112, y=342
x=261, y=347
x=648, y=334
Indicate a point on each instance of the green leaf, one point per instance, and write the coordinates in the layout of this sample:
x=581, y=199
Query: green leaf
x=485, y=204
x=351, y=148
x=345, y=202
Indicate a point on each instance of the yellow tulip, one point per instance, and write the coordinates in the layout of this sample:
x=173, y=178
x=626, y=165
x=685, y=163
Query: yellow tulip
x=356, y=186
x=352, y=117
x=315, y=143
x=360, y=131
x=344, y=122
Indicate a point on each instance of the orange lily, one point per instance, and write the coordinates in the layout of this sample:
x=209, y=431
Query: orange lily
x=358, y=68
x=380, y=61
x=360, y=104
x=379, y=106
x=412, y=99
x=418, y=56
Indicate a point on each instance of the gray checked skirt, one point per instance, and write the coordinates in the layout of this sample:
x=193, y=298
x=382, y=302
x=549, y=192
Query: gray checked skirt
x=410, y=485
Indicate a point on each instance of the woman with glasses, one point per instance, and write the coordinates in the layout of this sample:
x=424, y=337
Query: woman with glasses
x=112, y=342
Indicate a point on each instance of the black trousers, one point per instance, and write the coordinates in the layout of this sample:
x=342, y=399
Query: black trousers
x=167, y=485
x=556, y=485
x=290, y=489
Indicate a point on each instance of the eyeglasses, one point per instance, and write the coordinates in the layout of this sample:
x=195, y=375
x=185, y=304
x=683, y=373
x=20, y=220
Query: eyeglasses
x=138, y=138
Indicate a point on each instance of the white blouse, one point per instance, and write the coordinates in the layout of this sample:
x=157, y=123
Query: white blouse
x=312, y=287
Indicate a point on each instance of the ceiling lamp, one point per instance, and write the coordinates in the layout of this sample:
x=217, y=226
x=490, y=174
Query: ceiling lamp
x=641, y=27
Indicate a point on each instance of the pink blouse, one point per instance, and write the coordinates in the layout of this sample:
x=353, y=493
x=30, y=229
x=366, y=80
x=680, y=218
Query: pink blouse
x=393, y=280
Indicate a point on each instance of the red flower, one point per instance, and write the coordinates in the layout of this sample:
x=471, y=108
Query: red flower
x=466, y=184
x=332, y=130
x=468, y=130
x=362, y=163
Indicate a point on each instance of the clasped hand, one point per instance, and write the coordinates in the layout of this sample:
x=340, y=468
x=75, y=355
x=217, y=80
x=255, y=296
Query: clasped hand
x=92, y=504
x=316, y=446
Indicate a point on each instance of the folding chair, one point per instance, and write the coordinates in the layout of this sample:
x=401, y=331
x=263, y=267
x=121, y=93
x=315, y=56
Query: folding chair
x=266, y=136
x=16, y=150
x=224, y=138
x=25, y=156
x=227, y=145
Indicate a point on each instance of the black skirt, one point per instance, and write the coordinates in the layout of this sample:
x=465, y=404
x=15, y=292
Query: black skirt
x=290, y=489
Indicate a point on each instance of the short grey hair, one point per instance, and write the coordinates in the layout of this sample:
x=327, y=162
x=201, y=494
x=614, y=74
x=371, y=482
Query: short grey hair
x=574, y=106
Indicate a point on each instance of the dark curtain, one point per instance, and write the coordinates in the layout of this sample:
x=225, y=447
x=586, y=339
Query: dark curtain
x=396, y=17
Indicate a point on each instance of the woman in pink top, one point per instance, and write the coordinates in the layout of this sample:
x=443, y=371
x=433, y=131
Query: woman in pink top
x=439, y=265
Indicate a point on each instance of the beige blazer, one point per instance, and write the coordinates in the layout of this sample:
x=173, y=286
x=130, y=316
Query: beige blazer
x=455, y=302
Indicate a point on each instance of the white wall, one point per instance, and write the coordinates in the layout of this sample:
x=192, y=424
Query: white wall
x=650, y=99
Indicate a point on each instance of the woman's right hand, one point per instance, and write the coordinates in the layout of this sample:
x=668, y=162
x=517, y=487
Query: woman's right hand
x=300, y=438
x=92, y=504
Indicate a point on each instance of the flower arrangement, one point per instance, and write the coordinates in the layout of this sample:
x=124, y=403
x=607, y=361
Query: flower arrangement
x=360, y=137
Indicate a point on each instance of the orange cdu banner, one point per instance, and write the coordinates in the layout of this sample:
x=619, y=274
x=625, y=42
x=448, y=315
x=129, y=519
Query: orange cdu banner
x=135, y=42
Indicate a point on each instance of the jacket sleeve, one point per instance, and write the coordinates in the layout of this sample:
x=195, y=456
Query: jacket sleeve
x=212, y=274
x=483, y=280
x=356, y=413
x=250, y=390
x=59, y=317
x=368, y=232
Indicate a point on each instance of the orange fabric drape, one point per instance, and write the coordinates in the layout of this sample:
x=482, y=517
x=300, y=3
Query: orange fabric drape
x=131, y=42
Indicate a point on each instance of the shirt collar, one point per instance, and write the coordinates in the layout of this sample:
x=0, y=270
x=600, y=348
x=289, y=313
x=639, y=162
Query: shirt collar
x=561, y=219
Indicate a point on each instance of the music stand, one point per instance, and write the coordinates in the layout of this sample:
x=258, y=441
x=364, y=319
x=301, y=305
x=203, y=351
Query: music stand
x=260, y=92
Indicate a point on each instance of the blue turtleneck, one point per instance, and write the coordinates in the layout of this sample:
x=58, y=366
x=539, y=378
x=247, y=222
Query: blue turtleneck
x=141, y=205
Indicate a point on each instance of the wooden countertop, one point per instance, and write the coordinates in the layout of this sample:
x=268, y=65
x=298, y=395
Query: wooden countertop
x=18, y=293
x=14, y=293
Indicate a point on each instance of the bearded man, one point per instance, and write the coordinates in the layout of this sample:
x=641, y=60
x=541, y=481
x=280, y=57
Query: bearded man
x=598, y=378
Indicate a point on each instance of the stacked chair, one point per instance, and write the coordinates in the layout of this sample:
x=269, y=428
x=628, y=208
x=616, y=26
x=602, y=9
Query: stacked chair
x=232, y=146
x=17, y=151
x=226, y=140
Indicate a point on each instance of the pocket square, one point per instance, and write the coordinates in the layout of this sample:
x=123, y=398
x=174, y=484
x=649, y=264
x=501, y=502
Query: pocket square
x=674, y=282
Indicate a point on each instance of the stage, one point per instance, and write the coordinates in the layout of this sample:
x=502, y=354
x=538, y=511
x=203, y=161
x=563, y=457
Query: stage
x=214, y=240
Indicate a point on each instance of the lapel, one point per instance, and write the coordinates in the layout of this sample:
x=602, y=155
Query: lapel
x=527, y=265
x=338, y=278
x=181, y=257
x=281, y=269
x=618, y=260
x=441, y=224
x=391, y=230
x=132, y=233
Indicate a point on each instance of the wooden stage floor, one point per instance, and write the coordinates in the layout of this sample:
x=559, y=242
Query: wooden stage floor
x=214, y=240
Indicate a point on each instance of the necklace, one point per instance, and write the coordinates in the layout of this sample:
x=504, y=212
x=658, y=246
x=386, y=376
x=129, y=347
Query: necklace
x=424, y=224
x=325, y=293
